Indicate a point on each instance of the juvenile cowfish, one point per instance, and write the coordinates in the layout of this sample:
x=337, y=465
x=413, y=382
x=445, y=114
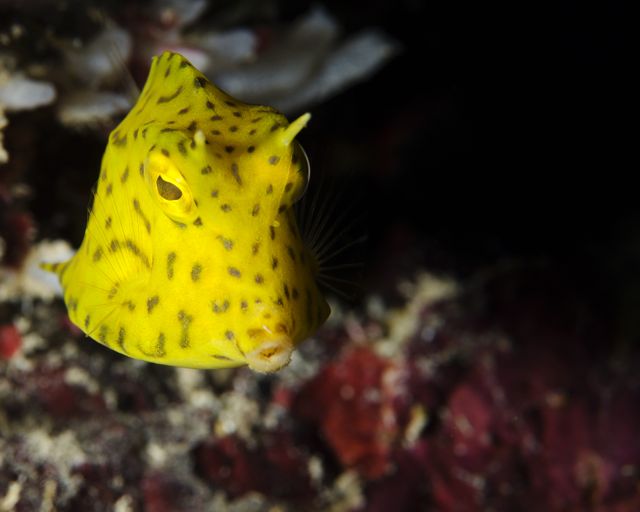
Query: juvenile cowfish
x=192, y=256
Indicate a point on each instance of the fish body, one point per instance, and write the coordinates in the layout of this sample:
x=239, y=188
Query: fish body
x=192, y=256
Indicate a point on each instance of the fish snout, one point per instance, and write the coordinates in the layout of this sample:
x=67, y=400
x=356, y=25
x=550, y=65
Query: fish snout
x=271, y=349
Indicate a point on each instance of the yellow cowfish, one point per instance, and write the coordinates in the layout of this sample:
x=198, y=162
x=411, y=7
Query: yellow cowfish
x=192, y=256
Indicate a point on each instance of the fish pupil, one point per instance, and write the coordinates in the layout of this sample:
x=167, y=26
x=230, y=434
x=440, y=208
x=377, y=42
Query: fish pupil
x=168, y=190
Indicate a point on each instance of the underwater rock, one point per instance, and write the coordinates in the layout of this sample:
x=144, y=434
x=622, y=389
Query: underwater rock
x=86, y=107
x=102, y=59
x=307, y=64
x=19, y=92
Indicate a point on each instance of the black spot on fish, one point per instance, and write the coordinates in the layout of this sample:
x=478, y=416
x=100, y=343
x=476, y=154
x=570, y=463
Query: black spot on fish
x=274, y=263
x=229, y=149
x=236, y=173
x=181, y=148
x=160, y=350
x=196, y=270
x=117, y=140
x=272, y=232
x=171, y=259
x=185, y=321
x=226, y=242
x=137, y=252
x=220, y=307
x=255, y=248
x=121, y=336
x=102, y=334
x=206, y=170
x=183, y=111
x=255, y=210
x=97, y=255
x=165, y=99
x=199, y=82
x=63, y=270
x=259, y=279
x=233, y=271
x=138, y=210
x=197, y=222
x=125, y=175
x=152, y=302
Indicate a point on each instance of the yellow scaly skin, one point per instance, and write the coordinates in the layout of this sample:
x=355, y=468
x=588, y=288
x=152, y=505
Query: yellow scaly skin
x=192, y=256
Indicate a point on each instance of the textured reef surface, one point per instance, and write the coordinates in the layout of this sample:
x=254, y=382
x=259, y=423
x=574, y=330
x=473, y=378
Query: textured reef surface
x=503, y=395
x=489, y=359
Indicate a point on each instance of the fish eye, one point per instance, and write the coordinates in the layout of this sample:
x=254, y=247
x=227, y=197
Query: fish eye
x=168, y=190
x=304, y=171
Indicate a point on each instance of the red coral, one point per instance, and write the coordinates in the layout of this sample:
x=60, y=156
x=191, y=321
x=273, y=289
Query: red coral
x=275, y=468
x=354, y=403
x=10, y=341
x=62, y=399
x=163, y=492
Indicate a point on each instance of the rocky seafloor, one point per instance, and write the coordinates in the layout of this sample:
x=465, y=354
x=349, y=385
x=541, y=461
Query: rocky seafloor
x=489, y=361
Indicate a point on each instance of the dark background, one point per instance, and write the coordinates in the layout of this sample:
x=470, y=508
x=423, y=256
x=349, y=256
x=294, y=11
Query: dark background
x=497, y=134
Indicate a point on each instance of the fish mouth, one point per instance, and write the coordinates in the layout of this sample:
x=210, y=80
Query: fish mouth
x=270, y=355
